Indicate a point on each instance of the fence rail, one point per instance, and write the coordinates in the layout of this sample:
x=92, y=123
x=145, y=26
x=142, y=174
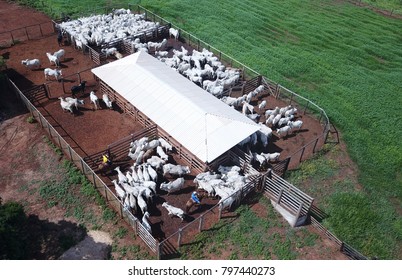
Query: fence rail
x=295, y=203
x=243, y=159
x=26, y=33
x=343, y=246
x=252, y=80
x=119, y=149
x=80, y=163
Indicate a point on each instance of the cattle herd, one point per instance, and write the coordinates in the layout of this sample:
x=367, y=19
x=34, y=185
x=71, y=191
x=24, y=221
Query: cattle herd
x=153, y=170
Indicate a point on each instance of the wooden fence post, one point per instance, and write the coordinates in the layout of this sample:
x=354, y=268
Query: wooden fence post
x=278, y=200
x=305, y=108
x=69, y=150
x=40, y=120
x=179, y=238
x=58, y=137
x=106, y=196
x=50, y=132
x=159, y=251
x=315, y=144
x=201, y=223
x=269, y=173
x=297, y=214
x=94, y=179
x=82, y=166
x=302, y=153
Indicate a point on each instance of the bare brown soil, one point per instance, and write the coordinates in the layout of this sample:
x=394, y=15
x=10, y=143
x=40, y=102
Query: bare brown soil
x=87, y=131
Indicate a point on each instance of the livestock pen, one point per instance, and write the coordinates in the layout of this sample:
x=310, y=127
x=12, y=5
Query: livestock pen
x=276, y=95
x=296, y=149
x=161, y=248
x=47, y=94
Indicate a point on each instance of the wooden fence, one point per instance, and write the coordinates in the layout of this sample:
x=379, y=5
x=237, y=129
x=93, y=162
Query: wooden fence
x=304, y=107
x=249, y=81
x=185, y=235
x=292, y=203
x=120, y=148
x=198, y=44
x=343, y=246
x=26, y=33
x=56, y=89
x=81, y=164
x=36, y=94
x=288, y=196
x=123, y=45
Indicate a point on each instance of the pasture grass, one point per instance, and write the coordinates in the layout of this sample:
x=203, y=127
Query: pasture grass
x=250, y=236
x=120, y=232
x=55, y=148
x=390, y=6
x=345, y=58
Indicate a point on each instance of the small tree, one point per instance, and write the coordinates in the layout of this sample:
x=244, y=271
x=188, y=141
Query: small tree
x=13, y=236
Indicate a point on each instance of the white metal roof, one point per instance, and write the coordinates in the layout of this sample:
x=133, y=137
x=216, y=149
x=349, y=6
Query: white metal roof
x=202, y=123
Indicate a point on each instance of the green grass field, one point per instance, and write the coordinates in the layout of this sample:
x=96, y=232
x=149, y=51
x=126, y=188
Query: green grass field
x=389, y=6
x=345, y=58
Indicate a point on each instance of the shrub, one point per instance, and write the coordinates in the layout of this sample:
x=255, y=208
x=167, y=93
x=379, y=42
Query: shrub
x=13, y=234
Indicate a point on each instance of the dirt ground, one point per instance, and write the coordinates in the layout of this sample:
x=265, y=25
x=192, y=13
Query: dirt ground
x=88, y=131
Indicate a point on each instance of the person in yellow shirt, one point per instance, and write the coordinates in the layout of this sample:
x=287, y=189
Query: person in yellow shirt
x=106, y=160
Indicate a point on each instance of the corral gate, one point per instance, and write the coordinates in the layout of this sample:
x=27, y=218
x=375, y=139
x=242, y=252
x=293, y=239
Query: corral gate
x=293, y=204
x=36, y=93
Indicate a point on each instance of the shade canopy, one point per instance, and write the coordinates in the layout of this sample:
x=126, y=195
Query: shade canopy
x=203, y=124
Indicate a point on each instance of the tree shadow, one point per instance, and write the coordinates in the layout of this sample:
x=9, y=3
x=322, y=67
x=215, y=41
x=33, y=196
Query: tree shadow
x=10, y=105
x=48, y=240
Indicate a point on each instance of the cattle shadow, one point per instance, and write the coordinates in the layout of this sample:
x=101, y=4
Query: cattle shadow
x=68, y=59
x=64, y=80
x=63, y=66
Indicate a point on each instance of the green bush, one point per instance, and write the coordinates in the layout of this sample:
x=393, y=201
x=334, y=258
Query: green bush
x=13, y=233
x=31, y=119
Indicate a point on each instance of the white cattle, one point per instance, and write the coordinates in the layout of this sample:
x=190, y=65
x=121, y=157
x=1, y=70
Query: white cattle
x=50, y=72
x=273, y=157
x=172, y=186
x=174, y=211
x=174, y=32
x=31, y=64
x=178, y=170
x=283, y=130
